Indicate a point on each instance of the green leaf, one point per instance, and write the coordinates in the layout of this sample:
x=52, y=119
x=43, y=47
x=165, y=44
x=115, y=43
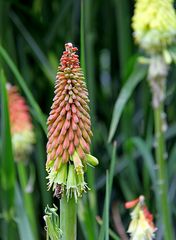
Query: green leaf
x=137, y=75
x=82, y=37
x=35, y=48
x=104, y=231
x=107, y=199
x=7, y=161
x=148, y=163
x=23, y=225
x=171, y=132
x=172, y=162
x=37, y=111
x=123, y=18
x=40, y=167
x=146, y=154
x=7, y=165
x=91, y=208
x=112, y=234
x=86, y=219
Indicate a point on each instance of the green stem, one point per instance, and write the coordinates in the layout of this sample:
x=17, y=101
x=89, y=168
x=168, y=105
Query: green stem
x=28, y=201
x=162, y=173
x=68, y=218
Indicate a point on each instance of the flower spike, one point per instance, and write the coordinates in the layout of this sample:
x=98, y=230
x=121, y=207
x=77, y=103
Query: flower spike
x=21, y=125
x=154, y=25
x=69, y=127
x=141, y=226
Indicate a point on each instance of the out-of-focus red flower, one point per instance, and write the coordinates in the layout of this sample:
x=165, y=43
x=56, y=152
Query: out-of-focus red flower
x=20, y=123
x=141, y=226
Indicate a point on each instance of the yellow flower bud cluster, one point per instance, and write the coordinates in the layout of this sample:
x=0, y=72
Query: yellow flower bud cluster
x=154, y=25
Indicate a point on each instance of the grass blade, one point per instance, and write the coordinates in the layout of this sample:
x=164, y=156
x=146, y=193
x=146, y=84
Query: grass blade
x=89, y=53
x=148, y=159
x=21, y=217
x=107, y=208
x=7, y=162
x=57, y=22
x=123, y=19
x=112, y=234
x=38, y=113
x=91, y=210
x=104, y=231
x=148, y=162
x=40, y=165
x=172, y=163
x=82, y=39
x=85, y=219
x=34, y=46
x=28, y=198
x=137, y=75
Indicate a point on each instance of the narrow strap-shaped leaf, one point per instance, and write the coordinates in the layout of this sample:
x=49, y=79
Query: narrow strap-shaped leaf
x=104, y=231
x=107, y=199
x=82, y=36
x=148, y=159
x=34, y=46
x=137, y=75
x=7, y=162
x=23, y=225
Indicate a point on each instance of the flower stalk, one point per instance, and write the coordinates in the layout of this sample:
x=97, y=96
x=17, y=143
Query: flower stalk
x=69, y=138
x=157, y=74
x=162, y=172
x=156, y=35
x=68, y=218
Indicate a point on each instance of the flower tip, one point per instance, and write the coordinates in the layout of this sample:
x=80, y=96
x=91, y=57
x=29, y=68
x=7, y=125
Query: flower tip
x=8, y=86
x=141, y=199
x=70, y=45
x=131, y=204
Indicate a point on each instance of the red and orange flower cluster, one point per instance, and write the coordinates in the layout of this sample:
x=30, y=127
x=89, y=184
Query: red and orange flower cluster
x=141, y=226
x=20, y=123
x=69, y=128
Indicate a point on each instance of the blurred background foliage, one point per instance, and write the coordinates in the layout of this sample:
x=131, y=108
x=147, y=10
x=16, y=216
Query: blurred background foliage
x=32, y=38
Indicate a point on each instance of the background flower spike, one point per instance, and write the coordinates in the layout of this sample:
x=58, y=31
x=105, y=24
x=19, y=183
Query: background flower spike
x=154, y=24
x=22, y=132
x=141, y=226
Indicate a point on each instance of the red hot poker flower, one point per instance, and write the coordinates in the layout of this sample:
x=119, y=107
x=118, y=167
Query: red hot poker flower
x=69, y=127
x=20, y=123
x=141, y=226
